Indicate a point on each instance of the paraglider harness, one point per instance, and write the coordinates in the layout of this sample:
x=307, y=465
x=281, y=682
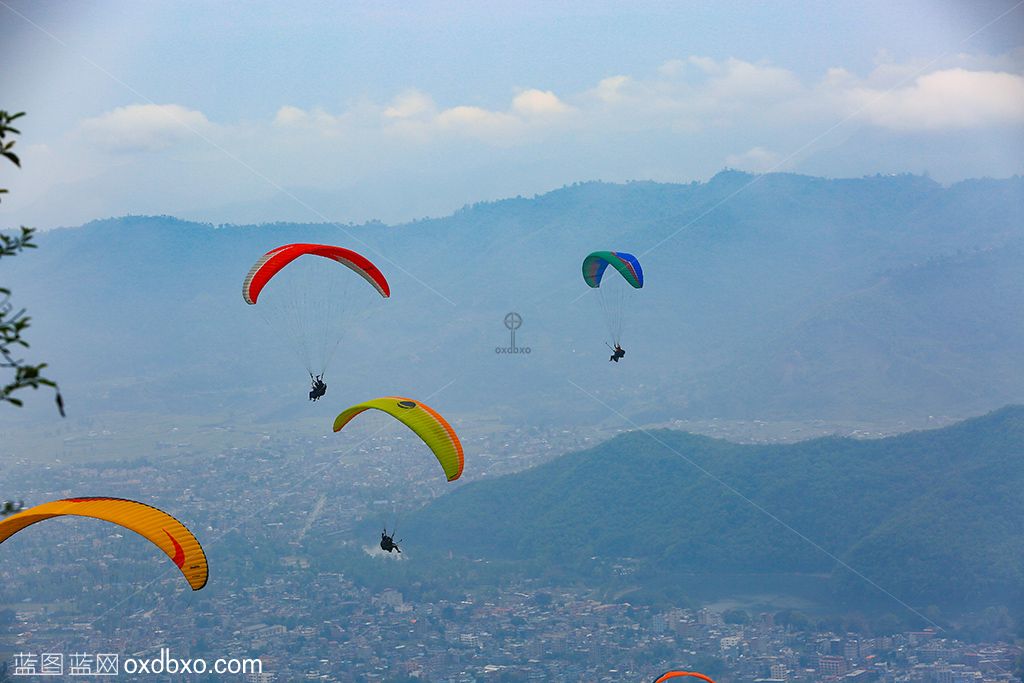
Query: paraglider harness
x=617, y=353
x=10, y=507
x=319, y=387
x=386, y=542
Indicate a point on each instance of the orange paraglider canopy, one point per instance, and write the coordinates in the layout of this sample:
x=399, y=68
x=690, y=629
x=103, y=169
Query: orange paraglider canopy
x=679, y=674
x=158, y=527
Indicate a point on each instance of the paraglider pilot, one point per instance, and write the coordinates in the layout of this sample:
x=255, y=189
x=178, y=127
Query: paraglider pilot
x=10, y=507
x=617, y=353
x=386, y=542
x=319, y=387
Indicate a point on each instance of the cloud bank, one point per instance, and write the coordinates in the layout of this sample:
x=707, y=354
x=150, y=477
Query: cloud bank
x=412, y=156
x=140, y=128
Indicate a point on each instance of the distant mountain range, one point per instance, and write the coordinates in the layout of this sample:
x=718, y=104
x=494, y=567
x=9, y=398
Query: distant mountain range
x=773, y=297
x=926, y=518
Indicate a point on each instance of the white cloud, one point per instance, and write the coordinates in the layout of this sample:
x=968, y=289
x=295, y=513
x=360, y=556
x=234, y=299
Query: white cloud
x=413, y=116
x=539, y=103
x=611, y=89
x=143, y=127
x=756, y=160
x=479, y=122
x=290, y=116
x=951, y=98
x=705, y=64
x=317, y=119
x=837, y=77
x=672, y=68
x=410, y=104
x=735, y=79
x=689, y=97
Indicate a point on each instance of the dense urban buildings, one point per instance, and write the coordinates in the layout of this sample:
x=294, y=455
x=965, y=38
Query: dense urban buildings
x=281, y=519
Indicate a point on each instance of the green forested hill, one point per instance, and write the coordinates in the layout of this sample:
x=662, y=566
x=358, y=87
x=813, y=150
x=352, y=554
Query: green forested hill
x=934, y=517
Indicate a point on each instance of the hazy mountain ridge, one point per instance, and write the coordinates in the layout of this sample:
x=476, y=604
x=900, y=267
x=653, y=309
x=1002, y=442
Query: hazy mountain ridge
x=766, y=296
x=927, y=515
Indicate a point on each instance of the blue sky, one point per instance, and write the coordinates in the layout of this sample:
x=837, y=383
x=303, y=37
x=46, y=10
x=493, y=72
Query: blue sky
x=308, y=111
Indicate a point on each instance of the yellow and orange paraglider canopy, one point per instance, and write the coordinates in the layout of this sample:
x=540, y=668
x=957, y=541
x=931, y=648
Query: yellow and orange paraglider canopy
x=164, y=531
x=421, y=419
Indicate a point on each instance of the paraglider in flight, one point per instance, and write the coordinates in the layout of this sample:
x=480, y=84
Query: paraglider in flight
x=427, y=424
x=9, y=507
x=310, y=302
x=424, y=421
x=387, y=543
x=613, y=292
x=164, y=531
x=319, y=388
x=680, y=674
